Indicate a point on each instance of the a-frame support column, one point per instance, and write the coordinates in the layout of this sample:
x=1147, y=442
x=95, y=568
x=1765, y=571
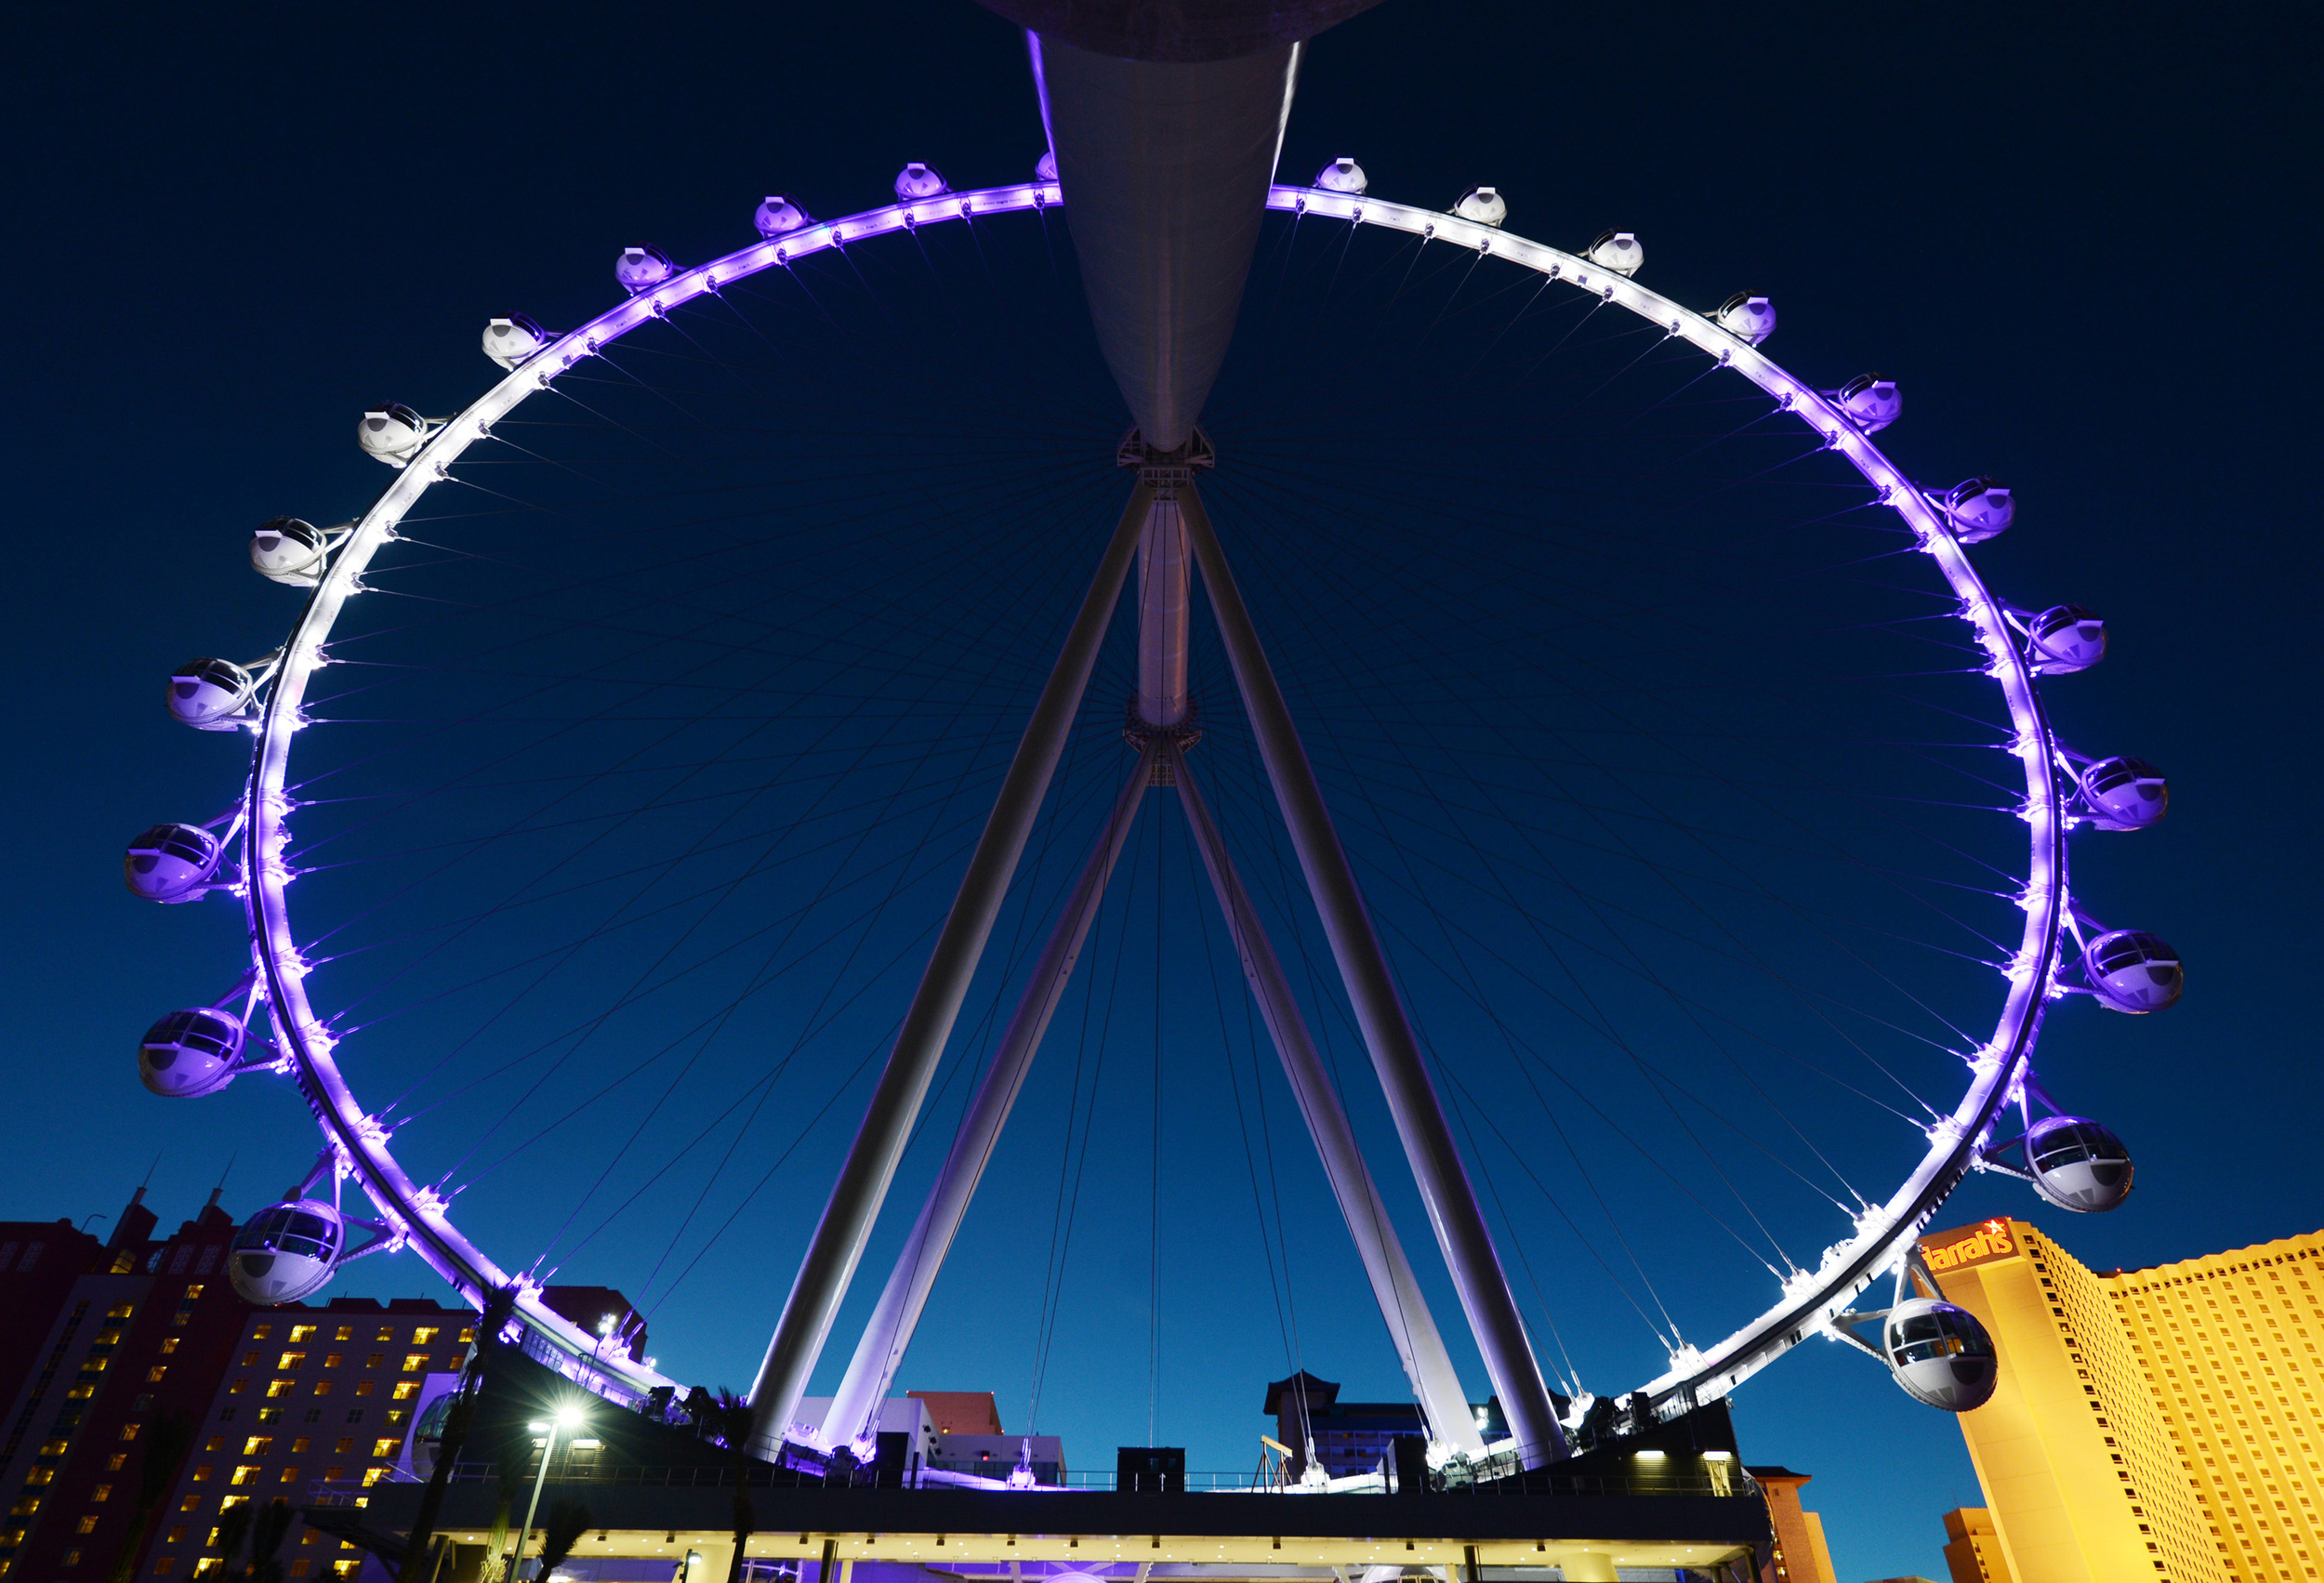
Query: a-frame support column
x=1410, y=1324
x=839, y=1236
x=855, y=1407
x=1379, y=1014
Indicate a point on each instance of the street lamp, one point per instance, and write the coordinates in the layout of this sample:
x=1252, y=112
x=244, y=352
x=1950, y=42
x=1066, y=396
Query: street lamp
x=566, y=1418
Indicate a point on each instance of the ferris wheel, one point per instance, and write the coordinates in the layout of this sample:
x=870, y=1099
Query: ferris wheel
x=543, y=644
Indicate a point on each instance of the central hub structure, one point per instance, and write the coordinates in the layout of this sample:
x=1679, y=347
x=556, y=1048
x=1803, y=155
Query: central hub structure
x=1163, y=707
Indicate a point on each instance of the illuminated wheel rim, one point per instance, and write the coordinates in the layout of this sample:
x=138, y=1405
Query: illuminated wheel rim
x=1807, y=1302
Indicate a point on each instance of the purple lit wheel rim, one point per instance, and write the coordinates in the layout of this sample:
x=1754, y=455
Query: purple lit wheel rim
x=1808, y=1302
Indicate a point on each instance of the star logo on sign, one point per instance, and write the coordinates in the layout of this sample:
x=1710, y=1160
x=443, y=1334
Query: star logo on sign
x=1997, y=1227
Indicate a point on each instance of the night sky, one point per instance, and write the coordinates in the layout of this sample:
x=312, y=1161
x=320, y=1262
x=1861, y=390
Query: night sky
x=2076, y=240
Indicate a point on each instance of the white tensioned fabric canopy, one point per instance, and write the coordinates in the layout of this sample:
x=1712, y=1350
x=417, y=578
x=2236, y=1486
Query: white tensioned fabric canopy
x=1808, y=1301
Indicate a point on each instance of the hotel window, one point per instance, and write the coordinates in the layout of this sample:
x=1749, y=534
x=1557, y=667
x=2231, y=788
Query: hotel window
x=290, y=1361
x=302, y=1332
x=424, y=1334
x=344, y=1333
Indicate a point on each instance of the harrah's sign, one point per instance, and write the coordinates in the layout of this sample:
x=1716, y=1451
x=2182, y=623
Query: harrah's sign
x=1954, y=1250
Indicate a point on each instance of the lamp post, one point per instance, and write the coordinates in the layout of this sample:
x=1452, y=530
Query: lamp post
x=567, y=1417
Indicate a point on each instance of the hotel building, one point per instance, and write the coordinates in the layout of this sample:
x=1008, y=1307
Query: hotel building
x=2159, y=1422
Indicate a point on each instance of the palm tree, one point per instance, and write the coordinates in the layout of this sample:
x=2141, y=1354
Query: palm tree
x=728, y=1417
x=167, y=1443
x=267, y=1532
x=457, y=1424
x=234, y=1526
x=568, y=1520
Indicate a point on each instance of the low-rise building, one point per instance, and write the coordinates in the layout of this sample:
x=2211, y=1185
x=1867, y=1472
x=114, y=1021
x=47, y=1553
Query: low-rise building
x=1798, y=1553
x=1972, y=1551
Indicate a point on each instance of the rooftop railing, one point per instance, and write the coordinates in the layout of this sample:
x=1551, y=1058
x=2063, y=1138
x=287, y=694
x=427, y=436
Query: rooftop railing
x=1689, y=1477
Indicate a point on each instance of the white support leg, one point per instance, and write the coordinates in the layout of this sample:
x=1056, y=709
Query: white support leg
x=887, y=1125
x=1412, y=1099
x=1410, y=1324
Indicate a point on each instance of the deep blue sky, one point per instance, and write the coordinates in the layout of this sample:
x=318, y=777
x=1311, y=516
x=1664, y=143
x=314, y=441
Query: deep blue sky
x=2079, y=239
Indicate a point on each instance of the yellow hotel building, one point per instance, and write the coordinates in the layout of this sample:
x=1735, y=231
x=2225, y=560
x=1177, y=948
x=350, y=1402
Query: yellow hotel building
x=2156, y=1423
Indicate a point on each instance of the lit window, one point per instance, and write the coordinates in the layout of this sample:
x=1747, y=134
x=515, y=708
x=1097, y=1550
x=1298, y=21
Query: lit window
x=290, y=1476
x=302, y=1333
x=323, y=1388
x=169, y=1345
x=386, y=1333
x=237, y=1389
x=72, y=1558
x=375, y=1359
x=407, y=1390
x=153, y=1375
x=290, y=1361
x=384, y=1447
x=467, y=1334
x=278, y=1387
x=345, y=1447
x=167, y=1563
x=115, y=1463
x=102, y=1492
x=260, y=1332
x=333, y=1360
x=190, y=1503
x=372, y=1475
x=362, y=1388
x=54, y=1447
x=129, y=1432
x=244, y=1474
x=257, y=1445
x=415, y=1362
x=333, y=1475
x=88, y=1524
x=177, y=1535
x=298, y=1445
x=344, y=1333
x=425, y=1334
